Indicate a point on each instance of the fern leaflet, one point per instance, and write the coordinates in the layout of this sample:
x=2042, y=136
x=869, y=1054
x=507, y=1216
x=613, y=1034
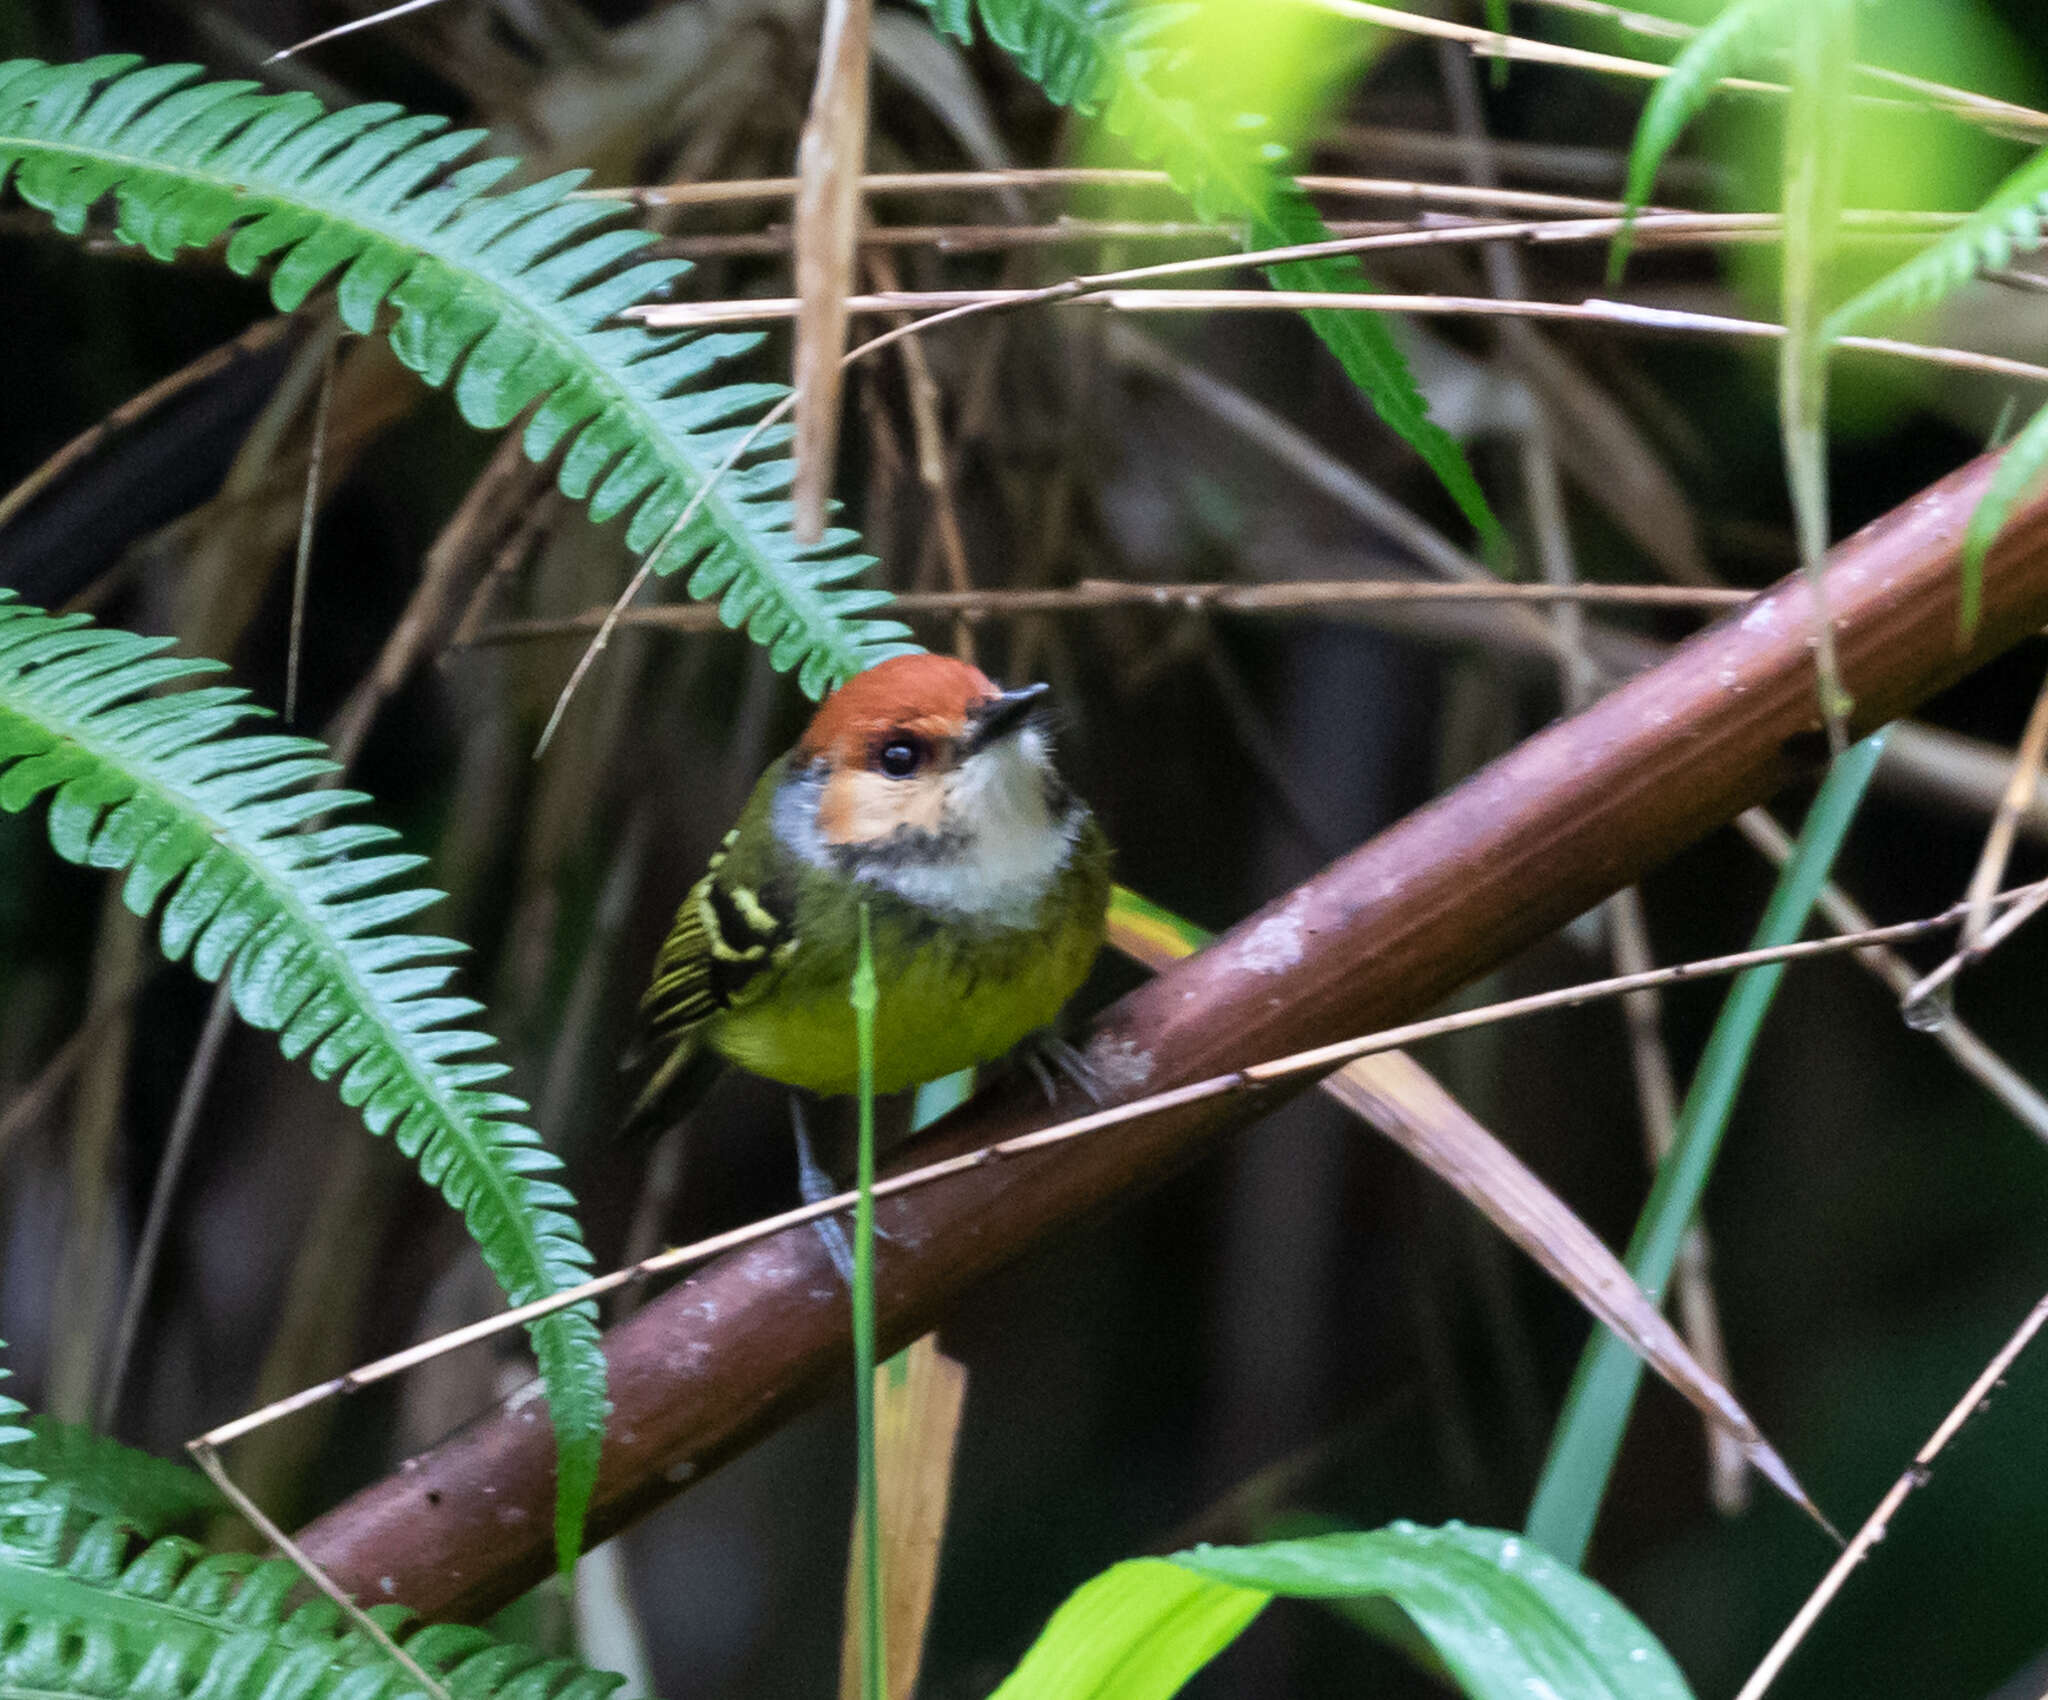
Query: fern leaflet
x=1740, y=34
x=103, y=1478
x=507, y=298
x=1103, y=56
x=217, y=827
x=85, y=1617
x=14, y=1476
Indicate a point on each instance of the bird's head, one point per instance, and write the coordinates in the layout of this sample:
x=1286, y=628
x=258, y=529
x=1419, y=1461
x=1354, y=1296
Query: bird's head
x=924, y=776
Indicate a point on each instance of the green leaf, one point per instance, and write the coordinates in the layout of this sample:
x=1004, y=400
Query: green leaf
x=1504, y=1619
x=1588, y=1437
x=2008, y=223
x=507, y=298
x=2019, y=469
x=1739, y=36
x=216, y=828
x=1136, y=1632
x=865, y=997
x=1815, y=162
x=104, y=1479
x=14, y=1475
x=86, y=1617
x=1105, y=56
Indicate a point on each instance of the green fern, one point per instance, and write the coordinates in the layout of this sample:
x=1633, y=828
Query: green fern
x=1739, y=36
x=506, y=297
x=102, y=1478
x=216, y=826
x=2009, y=222
x=1104, y=56
x=14, y=1476
x=85, y=1617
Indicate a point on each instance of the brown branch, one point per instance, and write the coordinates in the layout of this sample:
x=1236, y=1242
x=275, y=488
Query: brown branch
x=1536, y=838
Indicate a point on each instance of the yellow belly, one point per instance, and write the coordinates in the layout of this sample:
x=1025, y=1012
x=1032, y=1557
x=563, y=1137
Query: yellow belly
x=941, y=1009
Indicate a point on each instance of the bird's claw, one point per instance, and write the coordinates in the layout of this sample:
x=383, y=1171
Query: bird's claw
x=1051, y=1059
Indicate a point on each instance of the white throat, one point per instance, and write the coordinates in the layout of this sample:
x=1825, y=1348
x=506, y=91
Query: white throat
x=1000, y=846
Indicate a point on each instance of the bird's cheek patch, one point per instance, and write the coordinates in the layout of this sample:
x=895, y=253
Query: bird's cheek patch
x=859, y=807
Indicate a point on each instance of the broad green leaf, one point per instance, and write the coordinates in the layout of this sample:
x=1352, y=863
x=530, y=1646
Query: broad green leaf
x=1136, y=1632
x=1504, y=1619
x=1507, y=1620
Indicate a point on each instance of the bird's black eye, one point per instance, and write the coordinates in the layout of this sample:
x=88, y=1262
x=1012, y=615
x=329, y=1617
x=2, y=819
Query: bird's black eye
x=900, y=757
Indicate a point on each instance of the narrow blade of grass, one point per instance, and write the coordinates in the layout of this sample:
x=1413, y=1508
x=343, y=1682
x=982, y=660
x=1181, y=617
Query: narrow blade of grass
x=867, y=1557
x=1596, y=1410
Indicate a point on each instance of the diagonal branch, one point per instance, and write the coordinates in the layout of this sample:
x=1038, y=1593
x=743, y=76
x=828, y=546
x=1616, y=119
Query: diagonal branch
x=1570, y=816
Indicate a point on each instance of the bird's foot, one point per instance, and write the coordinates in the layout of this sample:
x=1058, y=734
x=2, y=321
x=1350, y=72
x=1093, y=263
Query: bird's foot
x=1050, y=1059
x=816, y=1184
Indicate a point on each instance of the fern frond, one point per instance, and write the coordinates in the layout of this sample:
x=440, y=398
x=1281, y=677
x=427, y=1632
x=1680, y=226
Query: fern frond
x=14, y=1475
x=1738, y=37
x=1103, y=56
x=2009, y=222
x=2019, y=469
x=215, y=827
x=100, y=1477
x=90, y=1619
x=504, y=297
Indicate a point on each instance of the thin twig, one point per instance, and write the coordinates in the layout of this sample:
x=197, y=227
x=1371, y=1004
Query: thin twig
x=204, y=1455
x=1408, y=191
x=953, y=303
x=1992, y=111
x=1879, y=1521
x=1971, y=1054
x=1492, y=44
x=170, y=1169
x=1923, y=1003
x=1437, y=230
x=350, y=28
x=1318, y=1061
x=302, y=566
x=1295, y=597
x=254, y=340
x=1998, y=842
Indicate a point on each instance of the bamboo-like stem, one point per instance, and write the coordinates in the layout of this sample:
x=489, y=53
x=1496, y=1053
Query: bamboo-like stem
x=1376, y=939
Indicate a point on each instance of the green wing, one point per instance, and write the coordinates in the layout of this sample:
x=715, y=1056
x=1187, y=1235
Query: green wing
x=732, y=928
x=724, y=936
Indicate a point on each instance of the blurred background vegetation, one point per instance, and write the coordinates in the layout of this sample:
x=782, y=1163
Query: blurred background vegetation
x=1302, y=1326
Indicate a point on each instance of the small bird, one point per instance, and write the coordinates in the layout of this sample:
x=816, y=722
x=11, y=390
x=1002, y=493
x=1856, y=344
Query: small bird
x=927, y=792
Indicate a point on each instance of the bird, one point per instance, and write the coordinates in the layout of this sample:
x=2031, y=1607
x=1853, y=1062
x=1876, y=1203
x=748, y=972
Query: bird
x=926, y=792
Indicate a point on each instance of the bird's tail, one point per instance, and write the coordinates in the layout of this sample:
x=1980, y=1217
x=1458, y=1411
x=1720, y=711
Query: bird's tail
x=674, y=1089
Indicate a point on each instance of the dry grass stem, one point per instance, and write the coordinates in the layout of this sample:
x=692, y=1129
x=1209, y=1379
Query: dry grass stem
x=1998, y=842
x=208, y=1460
x=919, y=1397
x=952, y=303
x=830, y=158
x=1879, y=1520
x=1971, y=1054
x=351, y=27
x=1297, y=597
